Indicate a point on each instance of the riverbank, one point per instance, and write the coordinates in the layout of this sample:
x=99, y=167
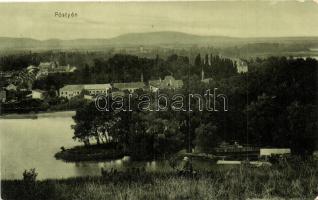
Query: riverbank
x=90, y=153
x=283, y=182
x=48, y=114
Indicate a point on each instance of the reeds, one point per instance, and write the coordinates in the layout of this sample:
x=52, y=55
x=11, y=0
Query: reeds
x=285, y=180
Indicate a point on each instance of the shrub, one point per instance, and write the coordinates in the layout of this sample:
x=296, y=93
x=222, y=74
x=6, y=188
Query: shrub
x=29, y=175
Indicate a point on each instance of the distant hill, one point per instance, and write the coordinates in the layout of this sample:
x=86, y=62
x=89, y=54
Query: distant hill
x=146, y=39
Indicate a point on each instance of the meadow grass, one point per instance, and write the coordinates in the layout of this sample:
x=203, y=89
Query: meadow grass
x=282, y=181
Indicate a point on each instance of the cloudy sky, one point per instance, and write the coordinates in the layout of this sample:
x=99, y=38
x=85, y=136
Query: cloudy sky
x=105, y=20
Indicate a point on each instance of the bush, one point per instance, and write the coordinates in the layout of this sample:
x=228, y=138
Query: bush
x=29, y=176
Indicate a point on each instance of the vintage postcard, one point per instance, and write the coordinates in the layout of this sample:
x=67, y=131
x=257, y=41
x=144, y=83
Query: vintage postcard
x=159, y=100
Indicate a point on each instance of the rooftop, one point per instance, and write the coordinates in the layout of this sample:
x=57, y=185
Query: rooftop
x=72, y=87
x=96, y=86
x=168, y=82
x=129, y=85
x=86, y=87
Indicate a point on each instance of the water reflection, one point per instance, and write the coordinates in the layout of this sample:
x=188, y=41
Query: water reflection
x=28, y=143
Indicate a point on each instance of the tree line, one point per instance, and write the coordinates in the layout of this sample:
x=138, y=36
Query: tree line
x=273, y=104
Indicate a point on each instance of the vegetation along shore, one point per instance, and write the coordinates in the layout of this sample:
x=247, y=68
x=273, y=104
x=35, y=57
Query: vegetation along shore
x=284, y=181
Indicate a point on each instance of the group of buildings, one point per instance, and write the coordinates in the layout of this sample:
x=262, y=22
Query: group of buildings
x=17, y=83
x=46, y=68
x=169, y=82
x=10, y=89
x=70, y=91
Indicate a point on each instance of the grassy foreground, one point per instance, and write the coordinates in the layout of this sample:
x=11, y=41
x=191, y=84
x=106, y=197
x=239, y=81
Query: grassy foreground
x=297, y=182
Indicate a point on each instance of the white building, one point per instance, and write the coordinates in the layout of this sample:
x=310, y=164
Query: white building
x=38, y=94
x=274, y=151
x=95, y=89
x=70, y=91
x=241, y=66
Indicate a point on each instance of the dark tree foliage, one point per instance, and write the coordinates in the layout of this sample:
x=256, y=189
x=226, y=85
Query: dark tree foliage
x=274, y=104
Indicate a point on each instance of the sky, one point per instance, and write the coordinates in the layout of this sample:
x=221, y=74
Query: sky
x=110, y=19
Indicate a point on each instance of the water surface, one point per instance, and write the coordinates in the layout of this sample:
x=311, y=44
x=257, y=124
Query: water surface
x=32, y=143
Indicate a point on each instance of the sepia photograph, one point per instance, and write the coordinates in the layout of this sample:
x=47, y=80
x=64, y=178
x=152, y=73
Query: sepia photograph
x=159, y=100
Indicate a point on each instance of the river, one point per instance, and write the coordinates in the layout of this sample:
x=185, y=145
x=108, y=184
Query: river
x=32, y=143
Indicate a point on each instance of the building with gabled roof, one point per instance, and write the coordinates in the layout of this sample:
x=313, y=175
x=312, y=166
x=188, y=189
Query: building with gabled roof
x=169, y=82
x=70, y=91
x=131, y=87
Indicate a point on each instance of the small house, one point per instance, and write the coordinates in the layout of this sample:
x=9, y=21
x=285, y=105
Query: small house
x=38, y=94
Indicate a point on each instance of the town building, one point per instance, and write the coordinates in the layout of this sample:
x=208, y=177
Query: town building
x=131, y=87
x=70, y=91
x=46, y=68
x=62, y=69
x=169, y=82
x=38, y=94
x=95, y=89
x=241, y=66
